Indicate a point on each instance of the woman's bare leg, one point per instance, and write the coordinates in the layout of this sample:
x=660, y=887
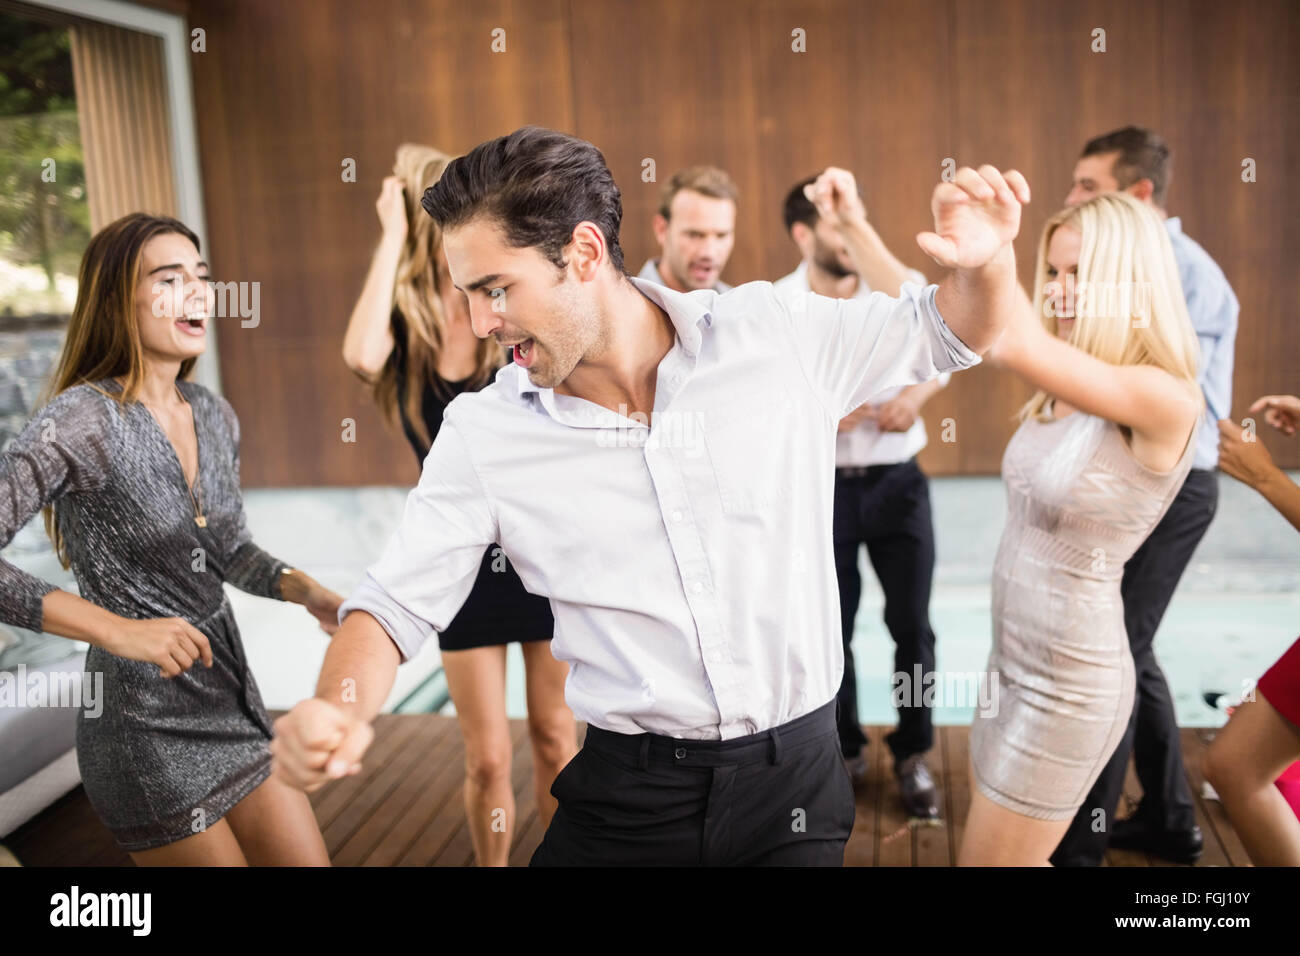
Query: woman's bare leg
x=996, y=836
x=477, y=681
x=275, y=826
x=551, y=726
x=1247, y=755
x=215, y=846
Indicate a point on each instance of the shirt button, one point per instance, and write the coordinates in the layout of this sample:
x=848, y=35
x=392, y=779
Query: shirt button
x=697, y=586
x=677, y=516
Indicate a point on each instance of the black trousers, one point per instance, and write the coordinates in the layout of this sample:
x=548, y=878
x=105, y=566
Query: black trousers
x=888, y=510
x=781, y=797
x=1150, y=577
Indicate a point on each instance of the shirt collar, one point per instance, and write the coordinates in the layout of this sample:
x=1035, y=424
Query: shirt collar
x=1174, y=225
x=690, y=312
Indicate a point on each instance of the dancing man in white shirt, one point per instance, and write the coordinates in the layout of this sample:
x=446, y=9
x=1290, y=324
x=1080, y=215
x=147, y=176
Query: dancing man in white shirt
x=882, y=498
x=658, y=465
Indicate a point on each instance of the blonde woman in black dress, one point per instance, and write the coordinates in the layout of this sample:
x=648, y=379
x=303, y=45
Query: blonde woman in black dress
x=138, y=472
x=410, y=338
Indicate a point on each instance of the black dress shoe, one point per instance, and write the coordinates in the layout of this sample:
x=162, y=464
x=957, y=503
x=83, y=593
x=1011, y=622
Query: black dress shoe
x=919, y=795
x=1175, y=846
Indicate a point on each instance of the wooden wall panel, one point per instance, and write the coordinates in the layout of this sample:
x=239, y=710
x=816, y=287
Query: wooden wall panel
x=673, y=83
x=889, y=89
x=1029, y=93
x=285, y=92
x=1237, y=98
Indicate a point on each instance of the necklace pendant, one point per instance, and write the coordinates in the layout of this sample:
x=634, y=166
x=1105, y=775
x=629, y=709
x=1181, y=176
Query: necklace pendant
x=201, y=521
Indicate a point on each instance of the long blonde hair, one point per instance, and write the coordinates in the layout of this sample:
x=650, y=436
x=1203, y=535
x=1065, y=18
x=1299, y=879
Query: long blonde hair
x=103, y=336
x=416, y=295
x=1124, y=256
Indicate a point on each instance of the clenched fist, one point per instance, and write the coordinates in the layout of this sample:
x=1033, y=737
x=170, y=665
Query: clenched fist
x=317, y=742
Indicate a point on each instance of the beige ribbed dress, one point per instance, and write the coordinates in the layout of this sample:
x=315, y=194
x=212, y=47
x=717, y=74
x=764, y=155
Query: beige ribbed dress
x=1078, y=505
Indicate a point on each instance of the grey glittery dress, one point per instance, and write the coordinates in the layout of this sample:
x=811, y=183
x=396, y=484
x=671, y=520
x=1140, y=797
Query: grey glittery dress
x=1078, y=505
x=168, y=756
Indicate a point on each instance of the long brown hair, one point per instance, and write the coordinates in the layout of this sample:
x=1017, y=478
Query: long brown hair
x=416, y=296
x=103, y=337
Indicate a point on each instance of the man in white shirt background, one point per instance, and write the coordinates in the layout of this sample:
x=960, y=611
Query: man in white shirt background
x=695, y=228
x=882, y=498
x=690, y=569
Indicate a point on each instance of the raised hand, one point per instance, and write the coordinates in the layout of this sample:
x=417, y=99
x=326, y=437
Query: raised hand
x=1247, y=461
x=835, y=194
x=975, y=215
x=391, y=206
x=1280, y=411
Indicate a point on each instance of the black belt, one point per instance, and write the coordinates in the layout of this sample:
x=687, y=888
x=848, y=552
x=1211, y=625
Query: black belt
x=868, y=471
x=640, y=749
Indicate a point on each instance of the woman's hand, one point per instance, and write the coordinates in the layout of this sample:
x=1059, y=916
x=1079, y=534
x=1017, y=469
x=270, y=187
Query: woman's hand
x=1280, y=411
x=170, y=642
x=323, y=604
x=391, y=206
x=1247, y=461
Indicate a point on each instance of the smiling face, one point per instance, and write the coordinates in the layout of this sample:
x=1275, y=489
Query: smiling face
x=173, y=300
x=1062, y=276
x=697, y=239
x=523, y=300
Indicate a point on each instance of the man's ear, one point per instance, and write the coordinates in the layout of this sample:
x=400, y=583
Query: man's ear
x=661, y=229
x=802, y=235
x=1143, y=189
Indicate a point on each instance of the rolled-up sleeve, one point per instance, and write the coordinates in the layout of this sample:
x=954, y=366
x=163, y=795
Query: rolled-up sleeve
x=432, y=560
x=852, y=349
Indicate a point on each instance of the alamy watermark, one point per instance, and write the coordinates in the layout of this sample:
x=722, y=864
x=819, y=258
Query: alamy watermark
x=39, y=688
x=978, y=689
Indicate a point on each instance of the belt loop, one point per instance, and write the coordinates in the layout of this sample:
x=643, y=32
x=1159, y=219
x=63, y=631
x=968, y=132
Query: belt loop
x=644, y=760
x=774, y=746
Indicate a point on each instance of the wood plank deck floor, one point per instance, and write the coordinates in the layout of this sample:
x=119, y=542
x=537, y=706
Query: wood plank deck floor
x=405, y=808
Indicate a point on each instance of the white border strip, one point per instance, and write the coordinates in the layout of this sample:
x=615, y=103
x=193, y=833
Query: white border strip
x=180, y=105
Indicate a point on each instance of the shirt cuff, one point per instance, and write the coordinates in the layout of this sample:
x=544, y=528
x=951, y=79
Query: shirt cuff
x=406, y=630
x=952, y=355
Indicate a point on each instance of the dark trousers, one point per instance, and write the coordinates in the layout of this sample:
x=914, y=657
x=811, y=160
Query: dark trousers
x=781, y=797
x=1150, y=577
x=888, y=510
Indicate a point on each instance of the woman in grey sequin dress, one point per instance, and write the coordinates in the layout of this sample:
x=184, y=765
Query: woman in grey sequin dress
x=1103, y=449
x=181, y=741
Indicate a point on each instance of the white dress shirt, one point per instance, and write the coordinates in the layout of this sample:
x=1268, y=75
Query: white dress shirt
x=688, y=564
x=865, y=444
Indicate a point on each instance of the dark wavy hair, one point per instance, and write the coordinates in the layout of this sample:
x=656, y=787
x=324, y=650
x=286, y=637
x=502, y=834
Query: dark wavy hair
x=537, y=184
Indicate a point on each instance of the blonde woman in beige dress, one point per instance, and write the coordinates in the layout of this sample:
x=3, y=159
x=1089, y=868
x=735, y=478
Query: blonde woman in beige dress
x=1102, y=449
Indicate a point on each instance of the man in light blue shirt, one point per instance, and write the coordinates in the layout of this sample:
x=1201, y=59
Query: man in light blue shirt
x=1137, y=161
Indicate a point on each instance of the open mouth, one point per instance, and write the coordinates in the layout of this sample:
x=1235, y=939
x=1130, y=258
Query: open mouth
x=524, y=353
x=192, y=324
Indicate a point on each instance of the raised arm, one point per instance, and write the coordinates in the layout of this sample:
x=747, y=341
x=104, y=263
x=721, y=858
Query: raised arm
x=1150, y=401
x=368, y=340
x=835, y=194
x=976, y=218
x=1243, y=456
